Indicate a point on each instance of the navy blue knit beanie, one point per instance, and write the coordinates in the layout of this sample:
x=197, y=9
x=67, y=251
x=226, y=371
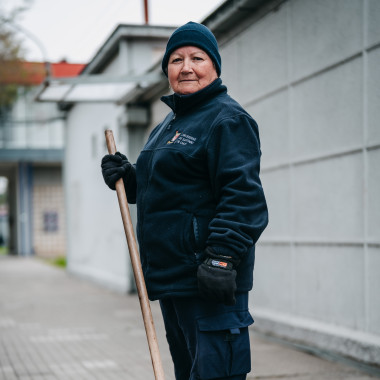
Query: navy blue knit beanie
x=193, y=34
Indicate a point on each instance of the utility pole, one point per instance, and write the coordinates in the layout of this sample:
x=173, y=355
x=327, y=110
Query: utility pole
x=146, y=11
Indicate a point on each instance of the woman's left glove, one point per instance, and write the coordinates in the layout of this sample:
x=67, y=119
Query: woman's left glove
x=217, y=279
x=114, y=167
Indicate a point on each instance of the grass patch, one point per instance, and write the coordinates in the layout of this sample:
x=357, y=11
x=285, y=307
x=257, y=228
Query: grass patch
x=59, y=261
x=3, y=250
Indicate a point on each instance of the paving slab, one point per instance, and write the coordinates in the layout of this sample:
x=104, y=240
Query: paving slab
x=54, y=326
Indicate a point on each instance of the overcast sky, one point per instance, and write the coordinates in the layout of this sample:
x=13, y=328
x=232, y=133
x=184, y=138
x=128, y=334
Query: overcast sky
x=75, y=29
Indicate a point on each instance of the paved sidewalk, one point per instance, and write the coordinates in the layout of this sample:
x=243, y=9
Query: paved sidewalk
x=55, y=326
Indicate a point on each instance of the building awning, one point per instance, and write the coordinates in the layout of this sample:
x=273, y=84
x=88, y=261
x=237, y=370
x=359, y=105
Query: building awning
x=96, y=88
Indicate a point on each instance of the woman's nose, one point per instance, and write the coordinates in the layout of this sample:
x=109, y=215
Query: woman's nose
x=187, y=66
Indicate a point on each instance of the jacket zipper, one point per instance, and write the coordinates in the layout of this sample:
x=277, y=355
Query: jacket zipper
x=150, y=169
x=196, y=233
x=155, y=145
x=170, y=123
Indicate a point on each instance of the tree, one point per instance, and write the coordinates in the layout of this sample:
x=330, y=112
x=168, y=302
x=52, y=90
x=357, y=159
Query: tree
x=9, y=61
x=11, y=55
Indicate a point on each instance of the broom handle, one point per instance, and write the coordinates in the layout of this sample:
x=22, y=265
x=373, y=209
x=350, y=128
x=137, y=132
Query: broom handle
x=137, y=270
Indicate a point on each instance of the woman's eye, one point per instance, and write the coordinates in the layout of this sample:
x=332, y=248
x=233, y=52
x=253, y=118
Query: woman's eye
x=175, y=60
x=198, y=59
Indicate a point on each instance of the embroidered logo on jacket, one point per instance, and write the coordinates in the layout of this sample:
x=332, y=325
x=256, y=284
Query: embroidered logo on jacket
x=182, y=139
x=175, y=137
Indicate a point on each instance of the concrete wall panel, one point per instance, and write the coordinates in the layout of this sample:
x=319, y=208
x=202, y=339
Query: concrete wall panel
x=374, y=97
x=273, y=275
x=374, y=195
x=231, y=69
x=373, y=290
x=328, y=111
x=328, y=198
x=272, y=117
x=324, y=32
x=324, y=277
x=277, y=192
x=263, y=56
x=373, y=22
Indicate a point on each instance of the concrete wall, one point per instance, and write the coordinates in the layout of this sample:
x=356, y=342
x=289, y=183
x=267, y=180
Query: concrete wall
x=309, y=73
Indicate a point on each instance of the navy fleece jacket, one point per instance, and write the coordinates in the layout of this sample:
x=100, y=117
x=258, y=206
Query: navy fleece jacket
x=196, y=184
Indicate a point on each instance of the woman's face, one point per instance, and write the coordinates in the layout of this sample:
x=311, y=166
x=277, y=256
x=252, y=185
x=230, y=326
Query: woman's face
x=190, y=69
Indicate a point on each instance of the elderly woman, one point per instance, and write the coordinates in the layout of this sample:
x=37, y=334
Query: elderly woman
x=201, y=209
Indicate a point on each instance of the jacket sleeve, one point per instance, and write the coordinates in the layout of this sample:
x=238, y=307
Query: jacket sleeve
x=130, y=185
x=233, y=152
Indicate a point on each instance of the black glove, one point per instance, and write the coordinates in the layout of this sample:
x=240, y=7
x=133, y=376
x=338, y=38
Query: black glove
x=217, y=278
x=115, y=166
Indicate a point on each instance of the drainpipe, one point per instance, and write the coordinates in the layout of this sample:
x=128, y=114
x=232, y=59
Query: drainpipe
x=25, y=220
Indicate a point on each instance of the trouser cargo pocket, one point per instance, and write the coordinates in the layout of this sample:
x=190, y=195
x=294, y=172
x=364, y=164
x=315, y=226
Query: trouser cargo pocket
x=223, y=345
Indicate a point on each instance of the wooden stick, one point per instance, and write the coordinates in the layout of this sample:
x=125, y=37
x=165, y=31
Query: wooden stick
x=137, y=270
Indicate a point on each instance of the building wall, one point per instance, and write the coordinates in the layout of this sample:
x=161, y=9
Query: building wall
x=97, y=247
x=32, y=125
x=48, y=212
x=309, y=73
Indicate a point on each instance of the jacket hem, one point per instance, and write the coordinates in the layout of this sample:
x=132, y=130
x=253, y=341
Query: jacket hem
x=187, y=293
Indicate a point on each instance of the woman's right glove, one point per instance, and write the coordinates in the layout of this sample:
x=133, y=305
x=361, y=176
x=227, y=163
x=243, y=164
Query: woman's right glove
x=115, y=166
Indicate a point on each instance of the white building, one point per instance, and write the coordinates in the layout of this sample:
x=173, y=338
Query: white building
x=96, y=243
x=309, y=72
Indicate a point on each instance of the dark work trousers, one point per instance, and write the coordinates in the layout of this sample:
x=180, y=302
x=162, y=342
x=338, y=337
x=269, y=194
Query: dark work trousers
x=208, y=340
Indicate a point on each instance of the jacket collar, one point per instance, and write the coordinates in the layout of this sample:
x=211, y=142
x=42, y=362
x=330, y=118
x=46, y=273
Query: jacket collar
x=183, y=103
